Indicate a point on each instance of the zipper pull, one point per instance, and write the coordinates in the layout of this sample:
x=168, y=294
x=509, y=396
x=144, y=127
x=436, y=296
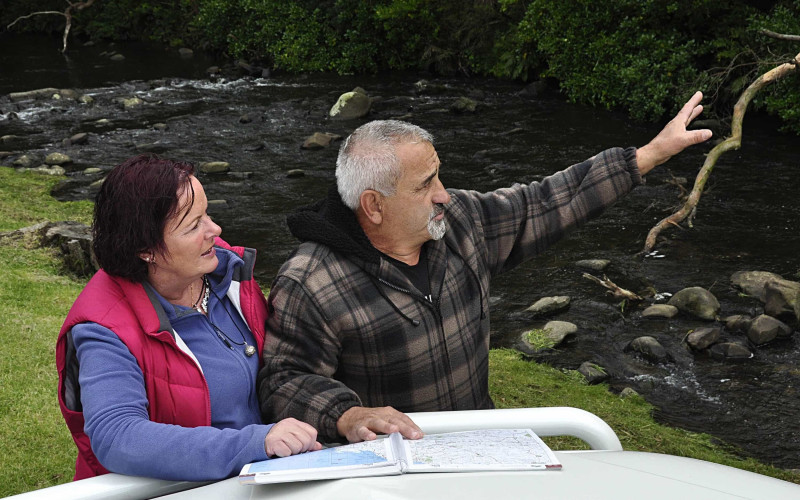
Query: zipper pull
x=225, y=341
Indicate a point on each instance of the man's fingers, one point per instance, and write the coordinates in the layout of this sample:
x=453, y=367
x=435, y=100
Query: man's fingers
x=695, y=113
x=688, y=109
x=698, y=136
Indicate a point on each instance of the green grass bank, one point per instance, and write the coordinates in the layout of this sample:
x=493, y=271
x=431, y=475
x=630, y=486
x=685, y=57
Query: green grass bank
x=36, y=293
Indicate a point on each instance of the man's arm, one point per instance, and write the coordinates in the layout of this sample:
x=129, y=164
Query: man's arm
x=674, y=138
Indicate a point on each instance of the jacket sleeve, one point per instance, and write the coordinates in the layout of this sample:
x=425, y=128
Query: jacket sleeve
x=522, y=221
x=300, y=359
x=124, y=438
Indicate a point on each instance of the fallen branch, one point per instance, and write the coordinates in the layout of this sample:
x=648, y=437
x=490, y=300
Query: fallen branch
x=613, y=289
x=731, y=143
x=67, y=13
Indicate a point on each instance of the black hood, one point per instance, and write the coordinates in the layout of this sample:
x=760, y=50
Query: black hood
x=332, y=223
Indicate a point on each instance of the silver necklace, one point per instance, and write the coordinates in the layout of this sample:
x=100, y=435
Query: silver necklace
x=248, y=349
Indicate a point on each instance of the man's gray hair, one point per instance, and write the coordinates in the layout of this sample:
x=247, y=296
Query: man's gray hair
x=368, y=158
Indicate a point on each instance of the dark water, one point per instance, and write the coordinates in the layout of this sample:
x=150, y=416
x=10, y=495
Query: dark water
x=749, y=218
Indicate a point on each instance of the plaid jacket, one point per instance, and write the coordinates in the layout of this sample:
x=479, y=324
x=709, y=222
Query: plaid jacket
x=346, y=328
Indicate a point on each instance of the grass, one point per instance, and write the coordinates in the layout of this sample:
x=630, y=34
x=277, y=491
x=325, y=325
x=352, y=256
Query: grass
x=35, y=295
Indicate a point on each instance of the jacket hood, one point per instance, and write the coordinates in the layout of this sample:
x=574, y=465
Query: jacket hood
x=332, y=223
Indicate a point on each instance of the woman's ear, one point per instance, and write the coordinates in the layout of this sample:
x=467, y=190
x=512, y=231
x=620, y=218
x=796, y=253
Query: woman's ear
x=148, y=257
x=371, y=203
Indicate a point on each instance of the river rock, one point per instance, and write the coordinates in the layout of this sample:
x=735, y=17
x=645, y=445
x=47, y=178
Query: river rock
x=648, y=347
x=738, y=323
x=57, y=159
x=660, y=311
x=351, y=105
x=130, y=103
x=752, y=282
x=730, y=351
x=96, y=184
x=782, y=300
x=186, y=53
x=558, y=331
x=426, y=87
x=117, y=57
x=295, y=173
x=92, y=171
x=320, y=140
x=102, y=122
x=702, y=338
x=79, y=138
x=463, y=105
x=593, y=373
x=69, y=94
x=547, y=305
x=696, y=301
x=764, y=329
x=628, y=392
x=32, y=94
x=214, y=167
x=245, y=119
x=217, y=204
x=25, y=161
x=593, y=264
x=5, y=154
x=86, y=99
x=48, y=170
x=160, y=126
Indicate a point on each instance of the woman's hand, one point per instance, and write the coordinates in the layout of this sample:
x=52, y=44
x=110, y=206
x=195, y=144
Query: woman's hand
x=290, y=437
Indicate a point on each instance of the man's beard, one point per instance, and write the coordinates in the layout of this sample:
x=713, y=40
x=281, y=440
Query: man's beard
x=436, y=228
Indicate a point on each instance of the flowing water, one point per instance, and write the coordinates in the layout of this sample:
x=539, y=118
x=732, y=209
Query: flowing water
x=748, y=219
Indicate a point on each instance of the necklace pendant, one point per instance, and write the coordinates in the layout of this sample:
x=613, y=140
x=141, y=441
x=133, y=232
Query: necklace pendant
x=249, y=350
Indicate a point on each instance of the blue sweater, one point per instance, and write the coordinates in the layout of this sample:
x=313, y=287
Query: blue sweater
x=115, y=402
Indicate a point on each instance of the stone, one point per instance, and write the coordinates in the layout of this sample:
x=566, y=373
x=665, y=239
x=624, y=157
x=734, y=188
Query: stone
x=8, y=139
x=213, y=70
x=186, y=53
x=217, y=204
x=764, y=329
x=295, y=173
x=131, y=102
x=738, y=323
x=548, y=305
x=49, y=170
x=648, y=347
x=69, y=94
x=320, y=140
x=32, y=94
x=102, y=122
x=463, y=105
x=117, y=57
x=593, y=373
x=628, y=392
x=5, y=154
x=96, y=184
x=660, y=311
x=730, y=351
x=752, y=282
x=57, y=159
x=351, y=105
x=86, y=99
x=79, y=138
x=593, y=264
x=558, y=331
x=160, y=126
x=75, y=241
x=92, y=171
x=25, y=161
x=214, y=167
x=245, y=119
x=696, y=301
x=702, y=338
x=782, y=300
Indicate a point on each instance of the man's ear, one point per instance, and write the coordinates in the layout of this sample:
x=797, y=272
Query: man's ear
x=371, y=203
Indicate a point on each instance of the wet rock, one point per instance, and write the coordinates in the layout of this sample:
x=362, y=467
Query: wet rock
x=426, y=87
x=79, y=138
x=547, y=305
x=764, y=329
x=738, y=323
x=541, y=339
x=593, y=264
x=558, y=331
x=213, y=70
x=117, y=57
x=782, y=300
x=92, y=171
x=5, y=154
x=186, y=53
x=730, y=351
x=130, y=103
x=351, y=105
x=660, y=311
x=215, y=204
x=57, y=159
x=86, y=99
x=752, y=282
x=702, y=338
x=48, y=170
x=593, y=373
x=69, y=94
x=696, y=301
x=102, y=122
x=320, y=140
x=9, y=139
x=25, y=161
x=295, y=173
x=628, y=392
x=160, y=126
x=32, y=94
x=96, y=184
x=648, y=347
x=463, y=105
x=245, y=119
x=214, y=167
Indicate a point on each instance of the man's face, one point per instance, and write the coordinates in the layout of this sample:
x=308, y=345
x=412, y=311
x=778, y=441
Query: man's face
x=415, y=213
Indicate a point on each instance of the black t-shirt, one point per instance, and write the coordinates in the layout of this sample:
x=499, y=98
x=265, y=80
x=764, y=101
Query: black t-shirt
x=418, y=274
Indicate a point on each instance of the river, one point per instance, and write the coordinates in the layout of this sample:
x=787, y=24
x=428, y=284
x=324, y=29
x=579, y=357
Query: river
x=748, y=219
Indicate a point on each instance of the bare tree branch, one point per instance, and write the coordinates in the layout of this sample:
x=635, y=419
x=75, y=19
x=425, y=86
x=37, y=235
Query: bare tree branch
x=731, y=143
x=613, y=288
x=67, y=13
x=780, y=36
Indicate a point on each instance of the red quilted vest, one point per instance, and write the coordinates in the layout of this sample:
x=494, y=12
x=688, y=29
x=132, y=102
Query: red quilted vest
x=176, y=389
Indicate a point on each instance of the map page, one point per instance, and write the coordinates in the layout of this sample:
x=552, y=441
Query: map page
x=498, y=449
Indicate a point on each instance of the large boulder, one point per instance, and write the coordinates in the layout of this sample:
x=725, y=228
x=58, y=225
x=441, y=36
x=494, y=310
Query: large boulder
x=765, y=329
x=782, y=300
x=752, y=282
x=351, y=105
x=696, y=301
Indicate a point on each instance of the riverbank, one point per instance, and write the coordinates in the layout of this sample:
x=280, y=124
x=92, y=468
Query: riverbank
x=35, y=296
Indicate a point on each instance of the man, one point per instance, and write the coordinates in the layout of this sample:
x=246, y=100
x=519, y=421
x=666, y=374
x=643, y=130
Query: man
x=383, y=309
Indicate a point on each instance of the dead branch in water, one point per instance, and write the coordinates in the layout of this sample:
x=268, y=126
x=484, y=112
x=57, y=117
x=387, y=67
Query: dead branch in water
x=613, y=289
x=67, y=13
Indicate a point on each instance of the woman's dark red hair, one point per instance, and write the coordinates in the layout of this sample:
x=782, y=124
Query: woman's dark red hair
x=131, y=211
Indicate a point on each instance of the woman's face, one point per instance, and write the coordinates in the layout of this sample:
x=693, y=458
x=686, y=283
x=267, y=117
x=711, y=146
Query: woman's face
x=189, y=238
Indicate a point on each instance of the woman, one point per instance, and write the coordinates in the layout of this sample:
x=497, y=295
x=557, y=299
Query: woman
x=158, y=356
